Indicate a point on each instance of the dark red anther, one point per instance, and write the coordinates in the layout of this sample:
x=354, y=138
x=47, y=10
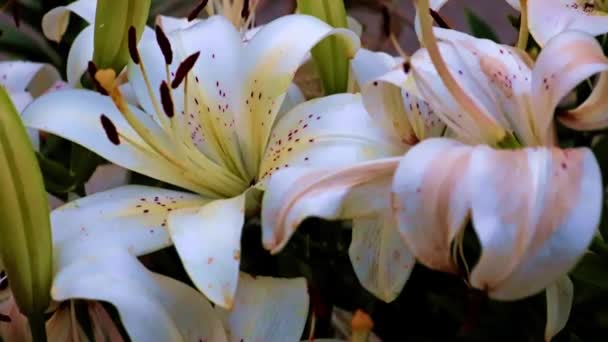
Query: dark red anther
x=110, y=129
x=386, y=21
x=439, y=20
x=184, y=68
x=245, y=11
x=406, y=67
x=197, y=10
x=165, y=99
x=133, y=45
x=164, y=44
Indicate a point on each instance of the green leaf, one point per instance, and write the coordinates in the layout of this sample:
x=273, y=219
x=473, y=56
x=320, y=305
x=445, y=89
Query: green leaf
x=479, y=28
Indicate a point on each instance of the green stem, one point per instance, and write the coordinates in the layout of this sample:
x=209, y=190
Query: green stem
x=38, y=327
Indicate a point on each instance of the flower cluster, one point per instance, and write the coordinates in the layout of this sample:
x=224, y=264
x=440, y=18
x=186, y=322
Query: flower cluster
x=421, y=153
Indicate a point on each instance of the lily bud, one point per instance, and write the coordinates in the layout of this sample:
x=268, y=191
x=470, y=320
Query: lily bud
x=331, y=55
x=112, y=22
x=25, y=229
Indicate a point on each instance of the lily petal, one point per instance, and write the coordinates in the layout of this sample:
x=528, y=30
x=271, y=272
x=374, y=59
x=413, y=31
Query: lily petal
x=296, y=193
x=559, y=298
x=17, y=76
x=330, y=131
x=475, y=63
x=55, y=22
x=212, y=92
x=430, y=199
x=152, y=307
x=581, y=57
x=527, y=244
x=80, y=122
x=267, y=309
x=137, y=214
x=208, y=241
x=392, y=99
x=548, y=18
x=381, y=260
x=272, y=59
x=361, y=193
x=81, y=52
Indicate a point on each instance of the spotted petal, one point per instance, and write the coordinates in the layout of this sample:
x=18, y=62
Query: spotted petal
x=581, y=57
x=271, y=60
x=393, y=100
x=331, y=131
x=75, y=115
x=267, y=309
x=55, y=22
x=137, y=214
x=208, y=241
x=548, y=18
x=527, y=244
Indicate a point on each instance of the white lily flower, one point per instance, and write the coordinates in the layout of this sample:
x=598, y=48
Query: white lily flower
x=208, y=126
x=379, y=257
x=96, y=242
x=510, y=195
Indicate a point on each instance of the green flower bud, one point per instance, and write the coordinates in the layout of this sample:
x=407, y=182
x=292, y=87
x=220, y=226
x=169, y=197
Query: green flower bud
x=330, y=55
x=112, y=21
x=25, y=228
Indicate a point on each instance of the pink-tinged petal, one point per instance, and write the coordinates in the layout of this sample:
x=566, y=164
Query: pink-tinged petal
x=271, y=60
x=361, y=193
x=559, y=297
x=208, y=241
x=296, y=193
x=267, y=309
x=472, y=80
x=581, y=57
x=431, y=200
x=548, y=18
x=132, y=217
x=55, y=22
x=498, y=77
x=152, y=307
x=332, y=131
x=535, y=212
